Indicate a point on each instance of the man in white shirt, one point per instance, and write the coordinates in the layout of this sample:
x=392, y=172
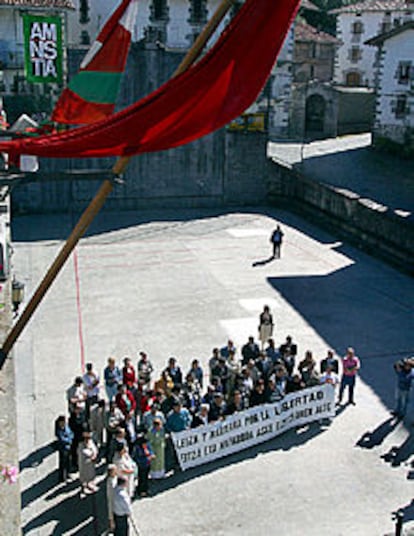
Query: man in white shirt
x=91, y=381
x=76, y=395
x=111, y=483
x=329, y=378
x=122, y=509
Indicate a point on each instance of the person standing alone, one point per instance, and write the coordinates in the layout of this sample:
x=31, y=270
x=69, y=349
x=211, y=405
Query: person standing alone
x=276, y=240
x=351, y=366
x=265, y=325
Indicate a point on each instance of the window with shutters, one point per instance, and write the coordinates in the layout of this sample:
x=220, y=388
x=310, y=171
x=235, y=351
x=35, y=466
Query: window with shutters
x=357, y=28
x=198, y=11
x=404, y=72
x=159, y=10
x=355, y=54
x=401, y=108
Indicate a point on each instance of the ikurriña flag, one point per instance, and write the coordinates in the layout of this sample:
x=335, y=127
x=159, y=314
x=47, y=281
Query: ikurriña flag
x=92, y=92
x=207, y=96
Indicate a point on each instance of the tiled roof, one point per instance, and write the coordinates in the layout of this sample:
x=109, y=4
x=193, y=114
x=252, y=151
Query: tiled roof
x=375, y=5
x=306, y=32
x=379, y=39
x=307, y=4
x=60, y=4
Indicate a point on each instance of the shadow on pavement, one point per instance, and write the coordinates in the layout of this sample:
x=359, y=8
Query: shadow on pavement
x=407, y=511
x=106, y=221
x=399, y=454
x=349, y=307
x=375, y=437
x=33, y=228
x=263, y=262
x=88, y=514
x=39, y=488
x=36, y=457
x=290, y=439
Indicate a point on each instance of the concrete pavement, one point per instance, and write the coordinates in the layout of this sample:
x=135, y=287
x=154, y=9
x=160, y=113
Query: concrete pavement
x=180, y=283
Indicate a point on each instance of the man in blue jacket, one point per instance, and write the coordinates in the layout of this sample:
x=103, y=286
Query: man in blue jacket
x=405, y=374
x=64, y=437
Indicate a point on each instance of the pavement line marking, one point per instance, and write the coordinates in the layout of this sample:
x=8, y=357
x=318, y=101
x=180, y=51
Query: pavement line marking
x=79, y=309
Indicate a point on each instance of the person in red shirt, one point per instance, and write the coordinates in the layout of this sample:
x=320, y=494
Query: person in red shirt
x=125, y=400
x=128, y=374
x=350, y=368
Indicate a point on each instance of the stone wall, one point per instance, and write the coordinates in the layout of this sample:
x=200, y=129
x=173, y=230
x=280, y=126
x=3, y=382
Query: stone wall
x=367, y=224
x=9, y=453
x=211, y=171
x=220, y=169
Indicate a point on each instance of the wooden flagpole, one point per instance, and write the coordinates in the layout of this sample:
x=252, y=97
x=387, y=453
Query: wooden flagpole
x=100, y=197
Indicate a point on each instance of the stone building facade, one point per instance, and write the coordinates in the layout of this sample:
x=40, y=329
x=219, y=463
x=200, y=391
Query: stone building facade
x=13, y=85
x=394, y=112
x=358, y=22
x=314, y=54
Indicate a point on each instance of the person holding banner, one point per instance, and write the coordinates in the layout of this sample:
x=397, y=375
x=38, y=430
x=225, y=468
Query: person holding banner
x=258, y=395
x=178, y=419
x=237, y=404
x=201, y=418
x=156, y=437
x=329, y=377
x=281, y=382
x=218, y=408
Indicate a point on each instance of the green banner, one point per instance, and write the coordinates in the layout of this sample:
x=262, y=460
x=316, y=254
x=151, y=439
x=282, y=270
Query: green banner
x=42, y=48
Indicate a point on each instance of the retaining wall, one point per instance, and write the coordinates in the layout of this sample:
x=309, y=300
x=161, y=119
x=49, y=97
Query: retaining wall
x=369, y=225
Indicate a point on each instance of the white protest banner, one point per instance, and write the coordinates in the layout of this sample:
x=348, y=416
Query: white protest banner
x=252, y=426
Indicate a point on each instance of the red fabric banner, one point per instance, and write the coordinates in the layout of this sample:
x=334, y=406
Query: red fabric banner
x=207, y=96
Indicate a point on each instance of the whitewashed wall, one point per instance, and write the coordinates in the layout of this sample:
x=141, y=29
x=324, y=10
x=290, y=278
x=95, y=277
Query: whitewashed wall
x=281, y=90
x=399, y=48
x=178, y=29
x=11, y=42
x=371, y=21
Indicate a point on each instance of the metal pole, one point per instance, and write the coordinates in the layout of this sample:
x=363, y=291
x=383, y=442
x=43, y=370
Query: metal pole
x=80, y=228
x=399, y=517
x=134, y=526
x=100, y=197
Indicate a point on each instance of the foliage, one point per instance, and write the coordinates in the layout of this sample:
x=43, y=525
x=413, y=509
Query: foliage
x=322, y=20
x=386, y=145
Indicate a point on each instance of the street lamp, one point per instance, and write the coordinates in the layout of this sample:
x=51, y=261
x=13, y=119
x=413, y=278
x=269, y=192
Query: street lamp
x=17, y=295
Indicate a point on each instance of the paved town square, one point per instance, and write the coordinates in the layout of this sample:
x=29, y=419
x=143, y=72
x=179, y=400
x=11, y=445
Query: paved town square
x=178, y=283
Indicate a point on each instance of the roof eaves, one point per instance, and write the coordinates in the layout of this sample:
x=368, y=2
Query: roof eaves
x=50, y=4
x=380, y=38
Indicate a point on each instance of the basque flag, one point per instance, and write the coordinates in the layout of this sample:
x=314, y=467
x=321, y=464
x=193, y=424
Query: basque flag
x=91, y=94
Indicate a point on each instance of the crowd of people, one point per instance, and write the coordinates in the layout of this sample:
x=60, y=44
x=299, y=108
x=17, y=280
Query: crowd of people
x=126, y=416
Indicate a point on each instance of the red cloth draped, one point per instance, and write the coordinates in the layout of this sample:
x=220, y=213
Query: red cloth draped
x=206, y=97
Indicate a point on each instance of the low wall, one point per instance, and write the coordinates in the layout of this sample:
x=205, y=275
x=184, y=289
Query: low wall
x=369, y=225
x=222, y=169
x=9, y=453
